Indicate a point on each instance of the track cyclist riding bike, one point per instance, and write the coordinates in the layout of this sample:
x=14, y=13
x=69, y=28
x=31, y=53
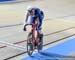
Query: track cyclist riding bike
x=36, y=15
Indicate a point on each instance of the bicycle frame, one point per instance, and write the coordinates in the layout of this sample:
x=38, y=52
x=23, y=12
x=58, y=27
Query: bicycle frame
x=33, y=39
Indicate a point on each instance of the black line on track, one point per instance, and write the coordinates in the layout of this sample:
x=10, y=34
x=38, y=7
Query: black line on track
x=11, y=25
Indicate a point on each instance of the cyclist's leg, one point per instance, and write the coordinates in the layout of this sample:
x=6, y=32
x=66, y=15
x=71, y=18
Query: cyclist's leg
x=40, y=31
x=40, y=35
x=33, y=32
x=39, y=27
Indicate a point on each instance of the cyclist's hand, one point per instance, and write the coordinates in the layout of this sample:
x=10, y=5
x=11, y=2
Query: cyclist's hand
x=24, y=28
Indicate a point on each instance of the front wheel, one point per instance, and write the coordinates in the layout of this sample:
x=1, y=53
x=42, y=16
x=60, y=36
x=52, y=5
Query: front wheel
x=30, y=45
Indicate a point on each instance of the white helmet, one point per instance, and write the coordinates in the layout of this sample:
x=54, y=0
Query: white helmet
x=30, y=8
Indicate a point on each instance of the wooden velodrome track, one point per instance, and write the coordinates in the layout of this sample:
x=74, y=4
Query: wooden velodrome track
x=58, y=24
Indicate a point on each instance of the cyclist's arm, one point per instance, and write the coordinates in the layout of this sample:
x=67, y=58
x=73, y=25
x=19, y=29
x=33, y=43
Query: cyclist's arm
x=27, y=15
x=25, y=21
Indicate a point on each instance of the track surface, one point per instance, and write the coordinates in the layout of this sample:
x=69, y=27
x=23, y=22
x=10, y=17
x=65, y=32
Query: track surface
x=59, y=23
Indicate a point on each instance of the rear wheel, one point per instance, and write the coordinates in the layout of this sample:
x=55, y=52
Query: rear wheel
x=40, y=44
x=30, y=44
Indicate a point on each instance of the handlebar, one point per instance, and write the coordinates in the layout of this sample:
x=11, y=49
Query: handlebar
x=28, y=24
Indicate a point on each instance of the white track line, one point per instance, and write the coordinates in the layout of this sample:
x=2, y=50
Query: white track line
x=12, y=45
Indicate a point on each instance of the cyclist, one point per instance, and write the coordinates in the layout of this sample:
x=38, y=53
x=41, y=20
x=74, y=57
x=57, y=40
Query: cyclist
x=35, y=14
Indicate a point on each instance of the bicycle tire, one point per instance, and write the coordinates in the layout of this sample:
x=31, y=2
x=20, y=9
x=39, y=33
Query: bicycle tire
x=40, y=44
x=30, y=44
